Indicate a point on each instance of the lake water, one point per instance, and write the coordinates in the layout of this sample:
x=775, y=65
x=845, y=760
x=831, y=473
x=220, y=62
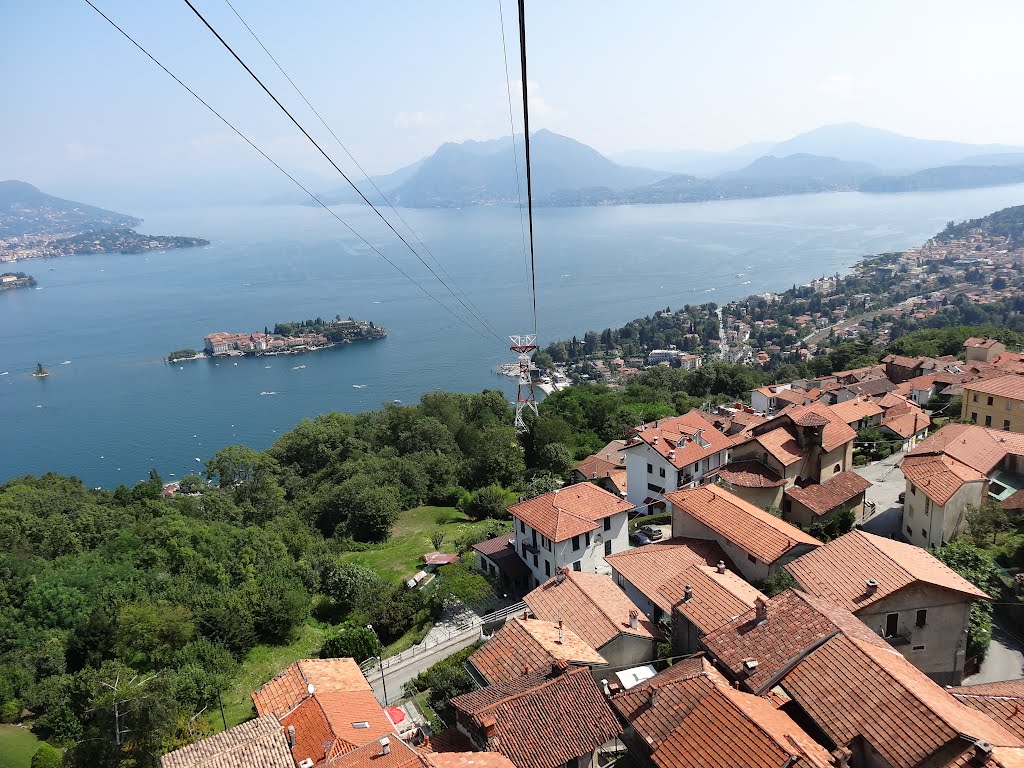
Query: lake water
x=115, y=410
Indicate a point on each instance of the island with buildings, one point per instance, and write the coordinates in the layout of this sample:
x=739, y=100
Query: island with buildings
x=286, y=339
x=9, y=280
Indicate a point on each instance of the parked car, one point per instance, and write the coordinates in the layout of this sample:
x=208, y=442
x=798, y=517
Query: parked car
x=902, y=497
x=638, y=539
x=653, y=532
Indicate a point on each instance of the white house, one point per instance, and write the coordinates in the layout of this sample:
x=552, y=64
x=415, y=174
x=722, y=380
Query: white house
x=573, y=527
x=670, y=454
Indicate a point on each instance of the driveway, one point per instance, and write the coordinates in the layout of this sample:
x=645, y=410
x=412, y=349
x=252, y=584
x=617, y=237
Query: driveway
x=887, y=483
x=1004, y=661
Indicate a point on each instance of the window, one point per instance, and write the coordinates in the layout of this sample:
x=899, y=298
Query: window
x=927, y=506
x=974, y=417
x=909, y=531
x=974, y=397
x=577, y=566
x=535, y=561
x=587, y=536
x=661, y=471
x=1009, y=405
x=989, y=401
x=988, y=420
x=524, y=550
x=650, y=468
x=924, y=534
x=522, y=527
x=546, y=542
x=922, y=617
x=696, y=467
x=1006, y=425
x=607, y=523
x=837, y=469
x=547, y=568
x=751, y=558
x=892, y=624
x=918, y=647
x=913, y=491
x=575, y=543
x=608, y=547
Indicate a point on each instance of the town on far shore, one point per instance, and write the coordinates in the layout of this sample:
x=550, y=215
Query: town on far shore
x=286, y=339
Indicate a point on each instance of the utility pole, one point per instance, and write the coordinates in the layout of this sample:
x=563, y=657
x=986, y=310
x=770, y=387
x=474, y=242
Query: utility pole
x=380, y=661
x=525, y=397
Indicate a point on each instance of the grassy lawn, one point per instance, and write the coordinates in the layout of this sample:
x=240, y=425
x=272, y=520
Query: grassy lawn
x=399, y=558
x=261, y=664
x=17, y=745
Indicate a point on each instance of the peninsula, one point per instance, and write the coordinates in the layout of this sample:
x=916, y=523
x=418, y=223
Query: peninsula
x=36, y=225
x=286, y=339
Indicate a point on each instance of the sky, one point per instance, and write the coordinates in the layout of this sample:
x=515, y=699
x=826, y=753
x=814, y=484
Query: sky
x=86, y=115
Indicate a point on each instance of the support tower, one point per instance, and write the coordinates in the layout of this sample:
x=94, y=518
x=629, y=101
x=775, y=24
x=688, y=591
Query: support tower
x=525, y=398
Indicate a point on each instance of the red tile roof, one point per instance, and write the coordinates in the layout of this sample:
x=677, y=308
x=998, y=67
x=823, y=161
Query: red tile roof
x=822, y=498
x=1003, y=702
x=592, y=606
x=979, y=343
x=371, y=755
x=717, y=598
x=652, y=568
x=696, y=720
x=836, y=433
x=750, y=474
x=530, y=645
x=495, y=545
x=1011, y=386
x=468, y=760
x=681, y=440
x=907, y=425
x=839, y=570
x=781, y=443
x=547, y=725
x=854, y=410
x=938, y=476
x=977, y=447
x=259, y=743
x=569, y=511
x=750, y=528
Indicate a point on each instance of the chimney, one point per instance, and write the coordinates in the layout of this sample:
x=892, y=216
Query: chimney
x=561, y=633
x=652, y=700
x=870, y=586
x=593, y=475
x=750, y=666
x=760, y=610
x=526, y=615
x=526, y=670
x=604, y=686
x=385, y=745
x=655, y=440
x=982, y=751
x=633, y=616
x=721, y=566
x=687, y=593
x=291, y=736
x=841, y=757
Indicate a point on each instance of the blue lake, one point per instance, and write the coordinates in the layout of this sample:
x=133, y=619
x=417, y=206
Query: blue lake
x=115, y=410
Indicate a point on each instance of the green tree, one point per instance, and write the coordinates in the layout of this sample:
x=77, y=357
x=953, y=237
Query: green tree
x=979, y=568
x=251, y=476
x=987, y=520
x=372, y=514
x=777, y=583
x=491, y=501
x=350, y=641
x=47, y=757
x=190, y=483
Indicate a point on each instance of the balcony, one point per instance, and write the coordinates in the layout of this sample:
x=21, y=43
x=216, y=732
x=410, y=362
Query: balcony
x=900, y=638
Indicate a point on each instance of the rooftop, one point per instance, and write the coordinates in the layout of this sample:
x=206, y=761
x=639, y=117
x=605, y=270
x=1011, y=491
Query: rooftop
x=750, y=528
x=1011, y=386
x=569, y=511
x=838, y=571
x=978, y=447
x=750, y=474
x=855, y=410
x=937, y=475
x=822, y=498
x=1003, y=702
x=531, y=645
x=681, y=440
x=259, y=743
x=592, y=606
x=716, y=598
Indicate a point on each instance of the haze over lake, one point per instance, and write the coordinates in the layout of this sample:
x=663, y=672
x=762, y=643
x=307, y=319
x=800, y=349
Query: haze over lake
x=115, y=410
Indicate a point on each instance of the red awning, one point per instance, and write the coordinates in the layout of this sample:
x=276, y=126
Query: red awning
x=396, y=715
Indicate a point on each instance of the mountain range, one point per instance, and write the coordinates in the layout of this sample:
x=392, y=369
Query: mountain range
x=24, y=210
x=569, y=173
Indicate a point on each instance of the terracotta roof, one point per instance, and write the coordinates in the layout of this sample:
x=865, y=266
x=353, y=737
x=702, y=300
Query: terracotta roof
x=890, y=400
x=854, y=410
x=698, y=721
x=836, y=432
x=851, y=687
x=822, y=498
x=750, y=474
x=805, y=418
x=1011, y=386
x=549, y=724
x=979, y=343
x=596, y=467
x=871, y=387
x=750, y=528
x=1014, y=501
x=717, y=598
x=259, y=743
x=796, y=622
x=1003, y=702
x=651, y=567
x=977, y=447
x=468, y=760
x=371, y=755
x=907, y=425
x=530, y=645
x=938, y=476
x=839, y=570
x=781, y=443
x=592, y=606
x=569, y=511
x=449, y=740
x=496, y=545
x=289, y=688
x=680, y=438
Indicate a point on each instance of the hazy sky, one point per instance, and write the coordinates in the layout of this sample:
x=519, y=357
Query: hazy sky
x=84, y=111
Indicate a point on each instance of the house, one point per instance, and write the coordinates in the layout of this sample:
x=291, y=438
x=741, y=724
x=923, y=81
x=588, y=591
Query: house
x=757, y=542
x=920, y=606
x=530, y=645
x=1003, y=702
x=645, y=573
x=710, y=597
x=498, y=558
x=607, y=468
x=983, y=350
x=326, y=707
x=818, y=503
x=540, y=720
x=859, y=413
x=574, y=527
x=997, y=402
x=594, y=608
x=909, y=426
x=773, y=398
x=832, y=674
x=259, y=743
x=959, y=466
x=688, y=716
x=673, y=453
x=800, y=446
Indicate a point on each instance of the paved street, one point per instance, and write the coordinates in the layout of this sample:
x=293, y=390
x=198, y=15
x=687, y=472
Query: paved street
x=1005, y=659
x=887, y=484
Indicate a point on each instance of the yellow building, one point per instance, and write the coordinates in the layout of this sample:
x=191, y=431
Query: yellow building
x=996, y=403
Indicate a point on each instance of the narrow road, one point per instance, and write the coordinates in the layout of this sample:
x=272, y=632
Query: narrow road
x=398, y=674
x=1005, y=659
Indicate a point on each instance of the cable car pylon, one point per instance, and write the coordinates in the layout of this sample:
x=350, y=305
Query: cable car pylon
x=525, y=398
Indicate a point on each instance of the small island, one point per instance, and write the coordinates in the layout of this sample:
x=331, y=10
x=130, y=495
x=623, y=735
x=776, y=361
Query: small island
x=10, y=280
x=286, y=339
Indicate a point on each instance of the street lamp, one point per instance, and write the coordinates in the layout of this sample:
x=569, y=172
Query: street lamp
x=380, y=660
